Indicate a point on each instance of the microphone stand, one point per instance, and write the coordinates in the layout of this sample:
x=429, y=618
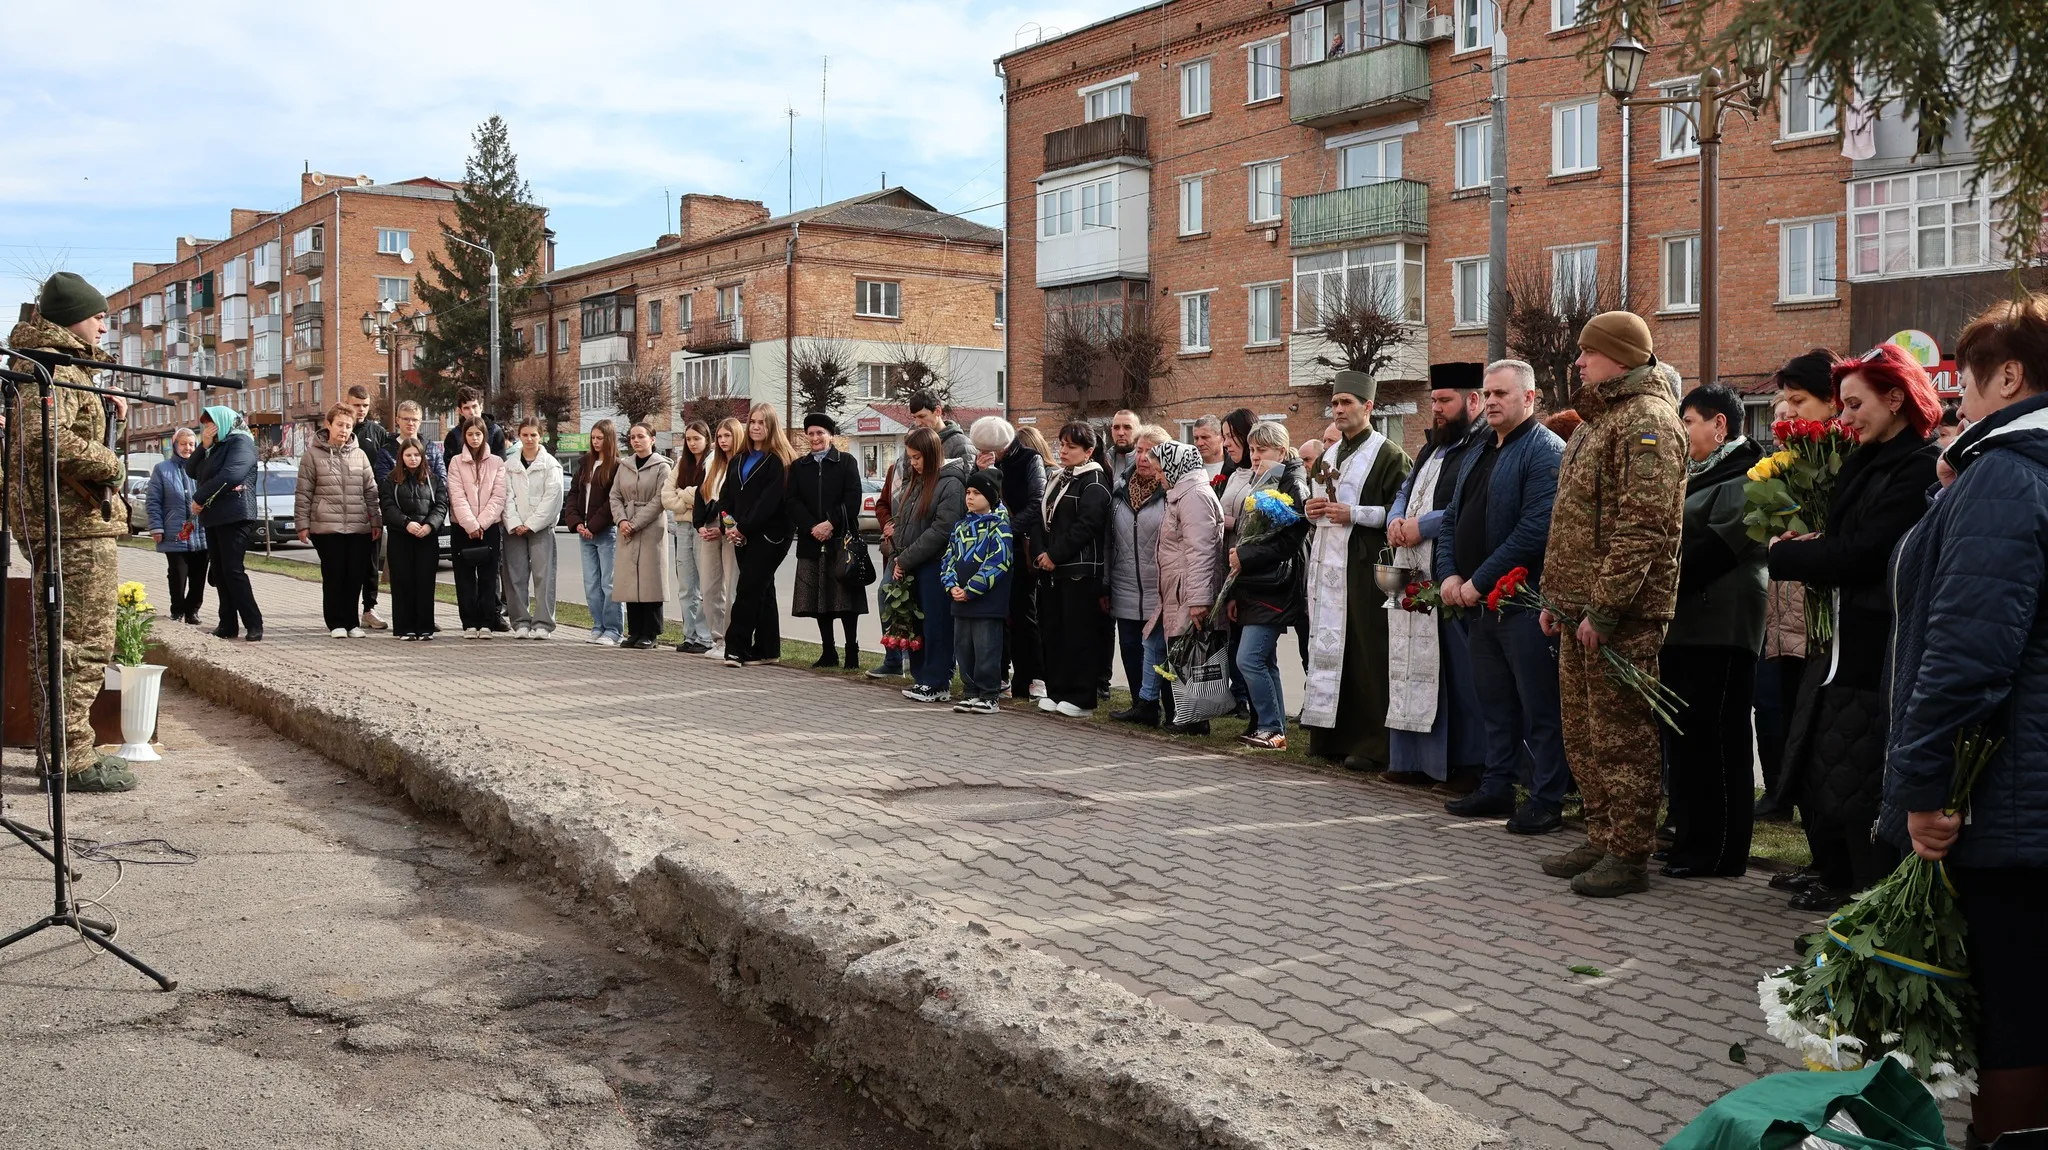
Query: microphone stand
x=64, y=909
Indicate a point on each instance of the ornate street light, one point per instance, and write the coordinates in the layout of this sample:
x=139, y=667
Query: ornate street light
x=1625, y=67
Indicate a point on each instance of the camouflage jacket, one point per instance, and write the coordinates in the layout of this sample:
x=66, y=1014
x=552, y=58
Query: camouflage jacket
x=1614, y=530
x=90, y=504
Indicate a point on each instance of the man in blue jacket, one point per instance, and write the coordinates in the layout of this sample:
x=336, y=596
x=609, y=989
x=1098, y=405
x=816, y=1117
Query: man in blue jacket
x=1499, y=519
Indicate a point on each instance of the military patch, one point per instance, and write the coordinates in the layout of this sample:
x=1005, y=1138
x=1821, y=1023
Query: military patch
x=1647, y=439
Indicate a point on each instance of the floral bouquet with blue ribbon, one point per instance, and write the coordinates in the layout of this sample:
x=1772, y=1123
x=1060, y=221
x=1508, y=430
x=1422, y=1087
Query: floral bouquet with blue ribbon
x=1890, y=976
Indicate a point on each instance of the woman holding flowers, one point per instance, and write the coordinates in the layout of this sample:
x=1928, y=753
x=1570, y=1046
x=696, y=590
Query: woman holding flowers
x=1834, y=749
x=1190, y=539
x=1971, y=656
x=1266, y=592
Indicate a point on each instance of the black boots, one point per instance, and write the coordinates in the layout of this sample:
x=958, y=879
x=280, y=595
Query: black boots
x=1144, y=712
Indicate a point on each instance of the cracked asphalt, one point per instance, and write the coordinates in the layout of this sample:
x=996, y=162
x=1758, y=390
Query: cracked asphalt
x=353, y=975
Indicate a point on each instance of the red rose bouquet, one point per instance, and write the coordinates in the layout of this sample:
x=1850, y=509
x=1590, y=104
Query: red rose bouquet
x=1513, y=588
x=902, y=617
x=1426, y=597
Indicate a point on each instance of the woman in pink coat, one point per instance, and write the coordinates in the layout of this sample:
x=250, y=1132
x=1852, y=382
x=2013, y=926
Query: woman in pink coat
x=476, y=506
x=1190, y=537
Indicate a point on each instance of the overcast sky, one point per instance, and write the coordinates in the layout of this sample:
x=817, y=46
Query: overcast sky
x=183, y=111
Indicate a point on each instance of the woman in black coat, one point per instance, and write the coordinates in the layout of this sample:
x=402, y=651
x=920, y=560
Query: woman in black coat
x=225, y=470
x=824, y=513
x=1070, y=590
x=1834, y=745
x=753, y=495
x=415, y=511
x=1268, y=583
x=1023, y=471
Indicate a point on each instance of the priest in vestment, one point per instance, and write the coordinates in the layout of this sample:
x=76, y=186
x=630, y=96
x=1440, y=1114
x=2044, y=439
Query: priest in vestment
x=1345, y=698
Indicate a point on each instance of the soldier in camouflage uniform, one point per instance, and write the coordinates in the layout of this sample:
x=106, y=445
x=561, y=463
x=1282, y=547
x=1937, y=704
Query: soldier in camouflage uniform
x=91, y=511
x=1613, y=559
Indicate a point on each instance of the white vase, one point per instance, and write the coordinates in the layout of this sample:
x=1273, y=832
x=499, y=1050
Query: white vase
x=140, y=689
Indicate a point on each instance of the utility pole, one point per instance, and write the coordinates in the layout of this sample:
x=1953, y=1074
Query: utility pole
x=789, y=325
x=1497, y=204
x=792, y=160
x=824, y=74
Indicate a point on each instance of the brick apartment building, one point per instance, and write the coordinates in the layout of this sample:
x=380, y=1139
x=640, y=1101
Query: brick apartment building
x=278, y=304
x=875, y=278
x=1214, y=168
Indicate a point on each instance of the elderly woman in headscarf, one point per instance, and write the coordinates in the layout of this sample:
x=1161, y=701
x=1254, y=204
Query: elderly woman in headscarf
x=1190, y=543
x=224, y=474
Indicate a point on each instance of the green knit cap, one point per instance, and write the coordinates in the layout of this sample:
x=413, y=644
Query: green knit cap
x=67, y=298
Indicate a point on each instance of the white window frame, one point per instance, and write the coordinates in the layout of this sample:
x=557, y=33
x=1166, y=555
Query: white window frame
x=1470, y=308
x=878, y=299
x=1565, y=268
x=561, y=336
x=1059, y=212
x=1393, y=266
x=1098, y=204
x=404, y=294
x=1689, y=244
x=1478, y=20
x=1565, y=14
x=1807, y=262
x=1257, y=75
x=871, y=381
x=1675, y=126
x=1461, y=178
x=685, y=305
x=1388, y=153
x=1264, y=324
x=1195, y=76
x=1575, y=138
x=1905, y=211
x=392, y=241
x=1196, y=317
x=540, y=338
x=1799, y=94
x=731, y=294
x=1109, y=98
x=1273, y=196
x=1193, y=204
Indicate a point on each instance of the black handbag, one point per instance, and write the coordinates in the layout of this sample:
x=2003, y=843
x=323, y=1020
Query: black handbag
x=851, y=564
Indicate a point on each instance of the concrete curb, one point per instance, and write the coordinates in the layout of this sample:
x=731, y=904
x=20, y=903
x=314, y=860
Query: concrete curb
x=982, y=1041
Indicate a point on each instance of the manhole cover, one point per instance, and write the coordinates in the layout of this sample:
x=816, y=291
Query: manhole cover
x=984, y=804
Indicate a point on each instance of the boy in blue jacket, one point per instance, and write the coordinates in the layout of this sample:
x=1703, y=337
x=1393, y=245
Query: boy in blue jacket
x=976, y=574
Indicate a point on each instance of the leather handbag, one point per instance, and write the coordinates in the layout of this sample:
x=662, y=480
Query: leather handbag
x=851, y=564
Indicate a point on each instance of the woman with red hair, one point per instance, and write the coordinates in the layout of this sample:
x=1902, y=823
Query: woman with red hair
x=1834, y=744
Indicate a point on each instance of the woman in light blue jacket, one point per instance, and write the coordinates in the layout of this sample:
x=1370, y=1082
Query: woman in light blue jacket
x=178, y=535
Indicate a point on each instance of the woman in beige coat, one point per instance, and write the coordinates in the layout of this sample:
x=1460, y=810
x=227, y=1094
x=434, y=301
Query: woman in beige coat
x=338, y=512
x=1190, y=539
x=639, y=571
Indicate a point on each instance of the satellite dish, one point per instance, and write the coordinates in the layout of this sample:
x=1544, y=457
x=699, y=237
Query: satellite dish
x=405, y=255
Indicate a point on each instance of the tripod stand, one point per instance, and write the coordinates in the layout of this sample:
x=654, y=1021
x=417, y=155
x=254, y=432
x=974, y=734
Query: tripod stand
x=64, y=910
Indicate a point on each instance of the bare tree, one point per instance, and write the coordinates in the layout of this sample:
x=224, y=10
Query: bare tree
x=823, y=371
x=551, y=403
x=643, y=392
x=1074, y=354
x=1139, y=353
x=1544, y=320
x=916, y=367
x=1366, y=327
x=710, y=410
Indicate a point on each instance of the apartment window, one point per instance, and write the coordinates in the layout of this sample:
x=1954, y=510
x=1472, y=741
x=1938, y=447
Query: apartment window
x=1058, y=213
x=1470, y=292
x=1682, y=273
x=540, y=339
x=391, y=241
x=1574, y=278
x=1806, y=260
x=1474, y=154
x=1809, y=107
x=876, y=298
x=1920, y=222
x=1262, y=71
x=397, y=289
x=311, y=239
x=729, y=302
x=1369, y=163
x=1575, y=137
x=1098, y=204
x=1265, y=191
x=1386, y=277
x=595, y=386
x=1191, y=221
x=1263, y=326
x=1109, y=100
x=606, y=315
x=1002, y=307
x=312, y=291
x=1194, y=89
x=1678, y=133
x=561, y=336
x=1477, y=21
x=1565, y=13
x=1002, y=387
x=654, y=317
x=874, y=380
x=1194, y=322
x=684, y=308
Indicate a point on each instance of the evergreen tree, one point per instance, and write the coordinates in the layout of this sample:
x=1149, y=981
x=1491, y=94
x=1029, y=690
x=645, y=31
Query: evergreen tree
x=494, y=208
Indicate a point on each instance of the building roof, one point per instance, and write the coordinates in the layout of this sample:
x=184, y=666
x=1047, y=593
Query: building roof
x=1089, y=27
x=887, y=210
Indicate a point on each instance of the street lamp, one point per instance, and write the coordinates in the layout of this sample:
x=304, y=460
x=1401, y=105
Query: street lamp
x=1625, y=59
x=493, y=393
x=386, y=324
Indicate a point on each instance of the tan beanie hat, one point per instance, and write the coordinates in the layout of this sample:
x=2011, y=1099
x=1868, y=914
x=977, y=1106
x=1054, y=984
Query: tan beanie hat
x=1621, y=336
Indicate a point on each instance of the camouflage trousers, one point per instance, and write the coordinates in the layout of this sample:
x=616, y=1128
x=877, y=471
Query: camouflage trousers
x=1612, y=741
x=91, y=572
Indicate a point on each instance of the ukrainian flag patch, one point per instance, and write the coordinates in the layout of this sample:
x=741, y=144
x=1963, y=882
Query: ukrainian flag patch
x=1648, y=439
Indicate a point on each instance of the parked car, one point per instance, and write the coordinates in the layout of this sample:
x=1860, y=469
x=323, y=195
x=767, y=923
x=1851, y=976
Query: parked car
x=570, y=460
x=870, y=526
x=137, y=489
x=277, y=486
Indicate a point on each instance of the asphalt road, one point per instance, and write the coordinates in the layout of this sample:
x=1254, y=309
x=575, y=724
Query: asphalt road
x=355, y=975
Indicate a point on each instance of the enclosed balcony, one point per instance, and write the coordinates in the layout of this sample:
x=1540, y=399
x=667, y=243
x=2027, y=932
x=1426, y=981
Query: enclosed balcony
x=1104, y=139
x=1390, y=78
x=1370, y=211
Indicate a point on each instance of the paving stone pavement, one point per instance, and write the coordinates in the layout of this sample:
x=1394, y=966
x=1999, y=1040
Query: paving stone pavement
x=1346, y=917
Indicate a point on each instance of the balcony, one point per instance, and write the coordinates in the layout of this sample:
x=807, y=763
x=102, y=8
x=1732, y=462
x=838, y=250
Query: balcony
x=1103, y=139
x=153, y=358
x=717, y=334
x=309, y=263
x=308, y=312
x=1392, y=208
x=1389, y=78
x=310, y=360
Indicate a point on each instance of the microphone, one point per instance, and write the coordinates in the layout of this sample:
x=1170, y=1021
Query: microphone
x=56, y=359
x=20, y=377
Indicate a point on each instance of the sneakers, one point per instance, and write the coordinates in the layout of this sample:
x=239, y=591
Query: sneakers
x=371, y=621
x=885, y=672
x=919, y=693
x=607, y=641
x=1535, y=819
x=483, y=632
x=358, y=633
x=1610, y=877
x=692, y=648
x=1045, y=704
x=522, y=632
x=1038, y=688
x=1265, y=740
x=338, y=633
x=1482, y=805
x=539, y=633
x=976, y=707
x=107, y=775
x=715, y=651
x=1073, y=712
x=1574, y=862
